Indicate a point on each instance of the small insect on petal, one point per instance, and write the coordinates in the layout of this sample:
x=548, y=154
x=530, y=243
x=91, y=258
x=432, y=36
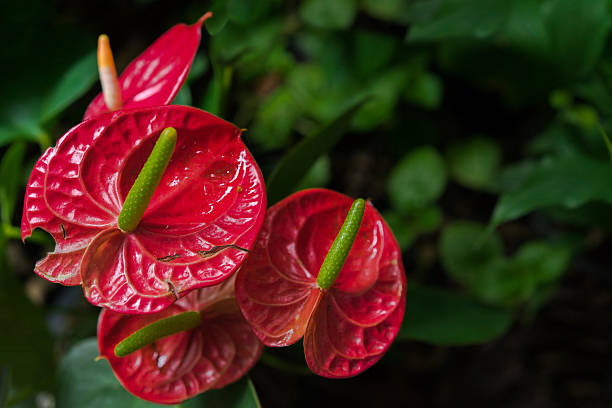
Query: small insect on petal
x=108, y=74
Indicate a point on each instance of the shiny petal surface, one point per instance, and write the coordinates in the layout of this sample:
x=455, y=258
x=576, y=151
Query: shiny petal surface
x=185, y=364
x=196, y=231
x=348, y=327
x=155, y=76
x=50, y=213
x=336, y=348
x=275, y=291
x=203, y=217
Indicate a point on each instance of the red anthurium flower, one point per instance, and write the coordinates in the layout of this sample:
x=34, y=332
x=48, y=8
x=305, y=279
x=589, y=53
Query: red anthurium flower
x=154, y=77
x=202, y=218
x=217, y=352
x=347, y=327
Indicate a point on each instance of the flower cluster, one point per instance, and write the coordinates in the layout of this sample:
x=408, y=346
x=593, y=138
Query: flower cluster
x=200, y=216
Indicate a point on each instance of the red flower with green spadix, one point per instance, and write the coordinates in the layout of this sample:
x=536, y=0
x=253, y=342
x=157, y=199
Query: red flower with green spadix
x=201, y=342
x=153, y=78
x=139, y=226
x=328, y=269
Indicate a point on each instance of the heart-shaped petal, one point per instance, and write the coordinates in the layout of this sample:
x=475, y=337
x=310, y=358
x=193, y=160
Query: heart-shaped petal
x=348, y=327
x=185, y=364
x=203, y=218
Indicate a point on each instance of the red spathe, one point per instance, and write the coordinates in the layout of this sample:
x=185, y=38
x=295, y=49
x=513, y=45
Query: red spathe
x=207, y=208
x=346, y=328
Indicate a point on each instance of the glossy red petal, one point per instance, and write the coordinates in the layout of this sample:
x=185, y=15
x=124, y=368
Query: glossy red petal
x=277, y=298
x=155, y=76
x=336, y=348
x=185, y=364
x=61, y=267
x=116, y=276
x=203, y=217
x=71, y=237
x=65, y=191
x=347, y=327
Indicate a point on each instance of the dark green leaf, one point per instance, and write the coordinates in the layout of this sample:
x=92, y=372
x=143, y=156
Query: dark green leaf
x=462, y=18
x=11, y=175
x=246, y=11
x=216, y=94
x=425, y=90
x=576, y=47
x=372, y=51
x=235, y=42
x=217, y=22
x=475, y=162
x=468, y=249
x=384, y=90
x=401, y=11
x=240, y=394
x=417, y=180
x=472, y=255
x=74, y=83
x=84, y=382
x=543, y=261
x=407, y=227
x=318, y=175
x=442, y=317
x=567, y=182
x=198, y=68
x=295, y=164
x=336, y=14
x=274, y=120
x=183, y=97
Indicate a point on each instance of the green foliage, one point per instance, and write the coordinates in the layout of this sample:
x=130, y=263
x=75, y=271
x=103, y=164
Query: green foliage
x=474, y=162
x=462, y=18
x=473, y=256
x=417, y=180
x=425, y=90
x=295, y=164
x=567, y=182
x=84, y=381
x=336, y=14
x=73, y=83
x=407, y=227
x=445, y=318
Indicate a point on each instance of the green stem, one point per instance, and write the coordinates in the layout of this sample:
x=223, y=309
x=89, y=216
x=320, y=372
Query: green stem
x=336, y=256
x=157, y=330
x=147, y=181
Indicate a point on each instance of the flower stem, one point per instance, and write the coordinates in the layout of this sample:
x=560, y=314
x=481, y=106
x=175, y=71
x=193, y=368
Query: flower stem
x=157, y=330
x=147, y=181
x=336, y=256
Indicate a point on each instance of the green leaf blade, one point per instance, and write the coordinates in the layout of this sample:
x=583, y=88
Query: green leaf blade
x=444, y=318
x=295, y=164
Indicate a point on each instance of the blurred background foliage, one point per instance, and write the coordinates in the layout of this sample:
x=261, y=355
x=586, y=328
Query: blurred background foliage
x=476, y=126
